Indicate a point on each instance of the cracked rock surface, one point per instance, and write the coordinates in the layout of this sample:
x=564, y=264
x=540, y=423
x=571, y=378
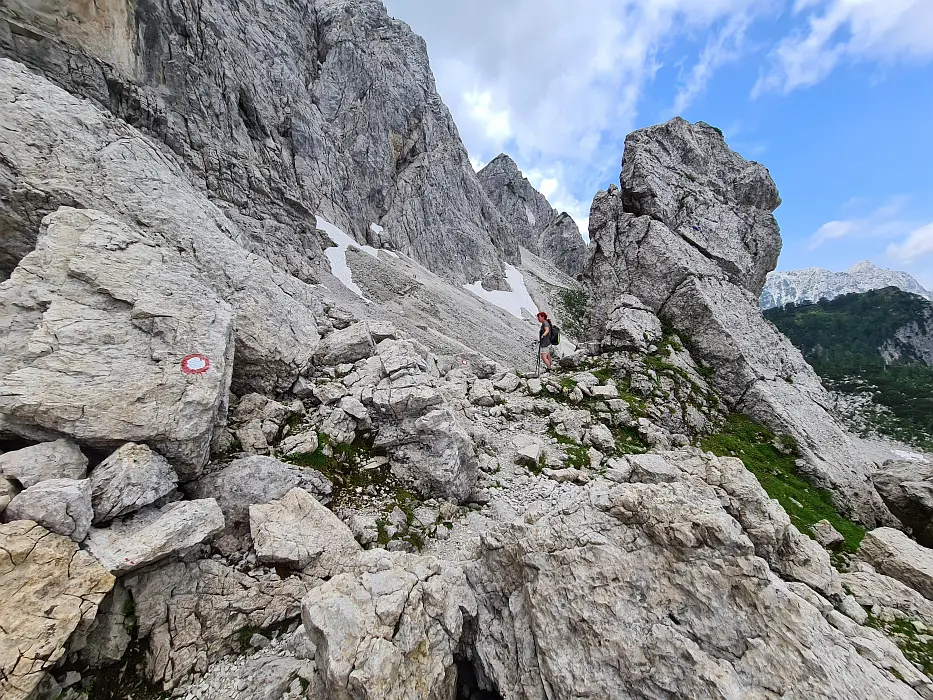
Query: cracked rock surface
x=51, y=591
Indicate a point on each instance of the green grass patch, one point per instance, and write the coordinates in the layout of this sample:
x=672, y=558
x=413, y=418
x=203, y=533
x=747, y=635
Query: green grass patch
x=917, y=650
x=343, y=465
x=775, y=469
x=628, y=441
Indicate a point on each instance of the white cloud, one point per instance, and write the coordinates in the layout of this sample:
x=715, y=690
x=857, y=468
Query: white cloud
x=724, y=47
x=918, y=244
x=847, y=31
x=833, y=230
x=551, y=185
x=559, y=83
x=494, y=123
x=884, y=222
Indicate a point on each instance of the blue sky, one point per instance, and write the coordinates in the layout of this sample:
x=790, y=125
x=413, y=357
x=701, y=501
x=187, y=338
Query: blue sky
x=835, y=97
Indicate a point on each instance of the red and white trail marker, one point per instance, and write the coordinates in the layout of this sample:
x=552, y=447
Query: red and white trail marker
x=195, y=364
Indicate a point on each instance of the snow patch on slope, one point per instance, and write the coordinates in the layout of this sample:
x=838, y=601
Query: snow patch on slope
x=337, y=257
x=513, y=301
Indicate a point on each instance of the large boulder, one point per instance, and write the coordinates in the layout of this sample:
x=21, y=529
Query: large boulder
x=51, y=591
x=691, y=235
x=298, y=531
x=153, y=534
x=132, y=477
x=434, y=452
x=893, y=553
x=907, y=489
x=703, y=617
x=77, y=151
x=62, y=506
x=59, y=459
x=101, y=328
x=389, y=631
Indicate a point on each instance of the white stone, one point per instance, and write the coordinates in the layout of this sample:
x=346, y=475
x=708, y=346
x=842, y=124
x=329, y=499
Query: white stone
x=132, y=477
x=62, y=506
x=298, y=531
x=153, y=534
x=61, y=459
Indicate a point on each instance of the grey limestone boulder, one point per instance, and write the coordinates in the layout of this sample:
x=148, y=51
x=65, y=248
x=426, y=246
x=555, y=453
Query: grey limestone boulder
x=62, y=506
x=435, y=452
x=893, y=553
x=347, y=345
x=132, y=477
x=298, y=531
x=111, y=338
x=60, y=459
x=907, y=489
x=631, y=324
x=153, y=534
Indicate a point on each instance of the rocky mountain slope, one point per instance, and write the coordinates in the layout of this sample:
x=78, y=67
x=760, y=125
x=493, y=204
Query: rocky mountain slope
x=269, y=421
x=340, y=117
x=535, y=224
x=814, y=284
x=876, y=346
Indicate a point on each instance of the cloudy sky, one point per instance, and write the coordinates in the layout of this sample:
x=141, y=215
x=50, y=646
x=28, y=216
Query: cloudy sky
x=834, y=96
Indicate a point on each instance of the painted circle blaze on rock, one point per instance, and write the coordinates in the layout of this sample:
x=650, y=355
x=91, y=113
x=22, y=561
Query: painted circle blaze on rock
x=195, y=364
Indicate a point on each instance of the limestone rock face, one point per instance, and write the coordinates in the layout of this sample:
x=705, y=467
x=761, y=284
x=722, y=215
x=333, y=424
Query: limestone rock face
x=192, y=612
x=62, y=506
x=77, y=151
x=534, y=223
x=95, y=328
x=51, y=591
x=907, y=489
x=893, y=553
x=132, y=477
x=281, y=141
x=691, y=234
x=298, y=531
x=153, y=534
x=390, y=631
x=60, y=459
x=704, y=617
x=631, y=324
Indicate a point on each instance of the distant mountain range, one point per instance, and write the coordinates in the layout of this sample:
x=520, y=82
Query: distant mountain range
x=814, y=283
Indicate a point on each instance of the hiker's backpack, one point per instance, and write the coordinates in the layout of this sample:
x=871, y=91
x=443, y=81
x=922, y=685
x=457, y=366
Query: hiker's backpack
x=555, y=335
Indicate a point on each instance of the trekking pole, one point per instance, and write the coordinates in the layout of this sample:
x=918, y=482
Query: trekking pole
x=538, y=362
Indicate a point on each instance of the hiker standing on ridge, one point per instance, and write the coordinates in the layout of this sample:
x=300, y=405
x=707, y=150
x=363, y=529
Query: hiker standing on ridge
x=544, y=339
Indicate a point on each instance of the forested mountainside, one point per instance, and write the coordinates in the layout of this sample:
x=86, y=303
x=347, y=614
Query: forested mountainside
x=878, y=344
